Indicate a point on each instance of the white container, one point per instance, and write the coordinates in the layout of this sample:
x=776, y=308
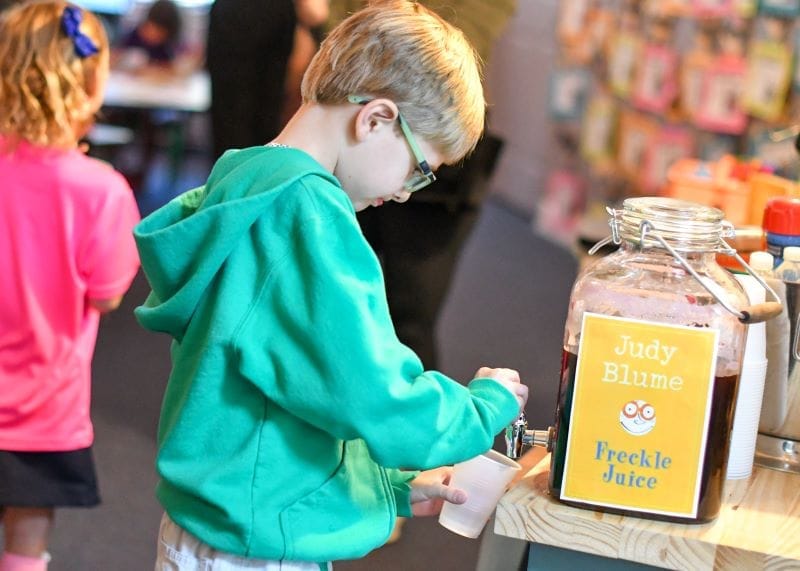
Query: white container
x=788, y=270
x=484, y=479
x=751, y=390
x=762, y=263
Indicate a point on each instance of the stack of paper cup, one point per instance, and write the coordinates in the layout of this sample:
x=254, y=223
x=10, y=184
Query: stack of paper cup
x=484, y=479
x=751, y=390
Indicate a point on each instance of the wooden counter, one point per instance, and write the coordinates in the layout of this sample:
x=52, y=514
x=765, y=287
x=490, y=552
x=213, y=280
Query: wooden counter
x=758, y=526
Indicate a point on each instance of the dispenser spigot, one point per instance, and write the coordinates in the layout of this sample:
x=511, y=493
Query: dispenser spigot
x=518, y=436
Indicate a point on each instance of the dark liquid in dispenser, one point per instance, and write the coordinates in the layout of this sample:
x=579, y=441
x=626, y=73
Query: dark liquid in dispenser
x=716, y=452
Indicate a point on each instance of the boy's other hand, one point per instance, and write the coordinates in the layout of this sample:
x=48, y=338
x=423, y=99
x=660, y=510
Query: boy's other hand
x=430, y=489
x=509, y=378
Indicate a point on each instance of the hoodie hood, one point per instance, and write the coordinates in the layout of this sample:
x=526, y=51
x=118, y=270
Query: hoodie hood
x=184, y=244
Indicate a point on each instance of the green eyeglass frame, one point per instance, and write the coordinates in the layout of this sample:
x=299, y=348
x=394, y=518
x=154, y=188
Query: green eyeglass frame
x=423, y=175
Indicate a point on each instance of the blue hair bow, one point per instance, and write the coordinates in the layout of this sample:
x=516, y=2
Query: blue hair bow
x=70, y=24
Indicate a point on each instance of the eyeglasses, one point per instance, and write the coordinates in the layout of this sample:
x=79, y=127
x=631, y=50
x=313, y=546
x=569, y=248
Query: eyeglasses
x=423, y=175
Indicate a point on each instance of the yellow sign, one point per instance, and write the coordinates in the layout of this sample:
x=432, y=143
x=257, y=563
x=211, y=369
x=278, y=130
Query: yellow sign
x=639, y=415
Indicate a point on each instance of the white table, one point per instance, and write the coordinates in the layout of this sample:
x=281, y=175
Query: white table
x=190, y=93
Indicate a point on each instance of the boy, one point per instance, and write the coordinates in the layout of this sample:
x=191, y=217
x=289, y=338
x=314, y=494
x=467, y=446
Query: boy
x=292, y=406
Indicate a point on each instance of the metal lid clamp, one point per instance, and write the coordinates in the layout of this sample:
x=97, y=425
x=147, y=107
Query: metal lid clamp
x=751, y=314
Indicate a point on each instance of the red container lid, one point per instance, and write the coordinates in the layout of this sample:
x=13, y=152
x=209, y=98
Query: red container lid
x=782, y=215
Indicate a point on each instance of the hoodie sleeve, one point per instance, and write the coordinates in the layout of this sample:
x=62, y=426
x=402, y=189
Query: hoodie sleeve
x=320, y=343
x=400, y=481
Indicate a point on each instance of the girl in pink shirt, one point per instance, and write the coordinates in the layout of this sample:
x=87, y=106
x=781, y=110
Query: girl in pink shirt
x=66, y=256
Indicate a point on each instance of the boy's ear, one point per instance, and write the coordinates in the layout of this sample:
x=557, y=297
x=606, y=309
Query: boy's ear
x=376, y=115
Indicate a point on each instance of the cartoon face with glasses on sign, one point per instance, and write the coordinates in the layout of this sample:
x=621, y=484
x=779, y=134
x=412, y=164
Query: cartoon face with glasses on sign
x=638, y=417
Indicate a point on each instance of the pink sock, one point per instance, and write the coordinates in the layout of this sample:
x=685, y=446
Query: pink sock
x=14, y=562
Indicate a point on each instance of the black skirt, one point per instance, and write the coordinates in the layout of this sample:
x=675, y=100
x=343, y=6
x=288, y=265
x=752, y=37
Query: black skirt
x=48, y=479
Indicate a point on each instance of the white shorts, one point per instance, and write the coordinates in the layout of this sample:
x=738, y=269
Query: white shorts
x=179, y=550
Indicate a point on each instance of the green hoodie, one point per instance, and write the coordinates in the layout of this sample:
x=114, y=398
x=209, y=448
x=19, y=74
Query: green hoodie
x=291, y=404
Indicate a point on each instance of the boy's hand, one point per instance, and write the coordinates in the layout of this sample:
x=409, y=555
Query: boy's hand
x=430, y=490
x=509, y=378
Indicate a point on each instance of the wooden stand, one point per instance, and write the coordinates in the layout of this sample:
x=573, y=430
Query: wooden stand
x=758, y=526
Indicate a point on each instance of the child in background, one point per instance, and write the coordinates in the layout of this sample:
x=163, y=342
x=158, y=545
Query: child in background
x=294, y=421
x=154, y=42
x=66, y=256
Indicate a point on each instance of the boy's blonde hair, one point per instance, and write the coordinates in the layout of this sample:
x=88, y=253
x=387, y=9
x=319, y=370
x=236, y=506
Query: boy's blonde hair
x=45, y=88
x=405, y=52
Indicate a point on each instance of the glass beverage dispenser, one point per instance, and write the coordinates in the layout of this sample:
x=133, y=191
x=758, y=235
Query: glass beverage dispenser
x=652, y=355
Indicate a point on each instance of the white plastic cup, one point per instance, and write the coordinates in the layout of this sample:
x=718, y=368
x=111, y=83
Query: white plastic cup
x=755, y=348
x=484, y=479
x=751, y=391
x=745, y=420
